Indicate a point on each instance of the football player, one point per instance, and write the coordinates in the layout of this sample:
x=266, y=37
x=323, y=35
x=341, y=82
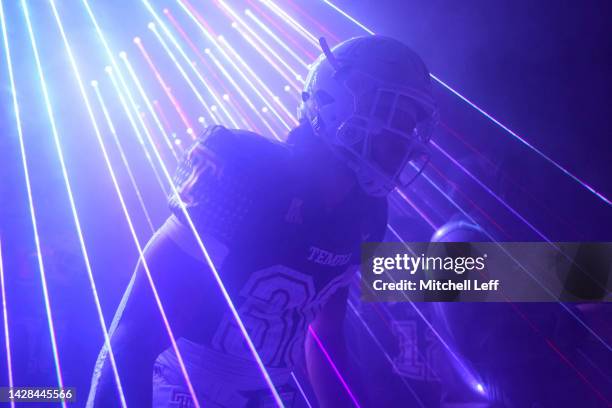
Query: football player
x=283, y=224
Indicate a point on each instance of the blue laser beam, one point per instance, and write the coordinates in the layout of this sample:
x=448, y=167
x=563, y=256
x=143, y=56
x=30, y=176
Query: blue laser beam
x=276, y=39
x=465, y=371
x=416, y=209
x=167, y=90
x=256, y=91
x=297, y=383
x=264, y=55
x=245, y=66
x=238, y=89
x=118, y=191
x=213, y=269
x=135, y=128
x=240, y=22
x=111, y=57
x=265, y=51
x=291, y=22
x=110, y=72
x=148, y=104
x=9, y=63
x=50, y=113
x=192, y=86
x=531, y=275
x=227, y=58
x=220, y=104
x=124, y=160
x=146, y=267
x=191, y=64
x=383, y=351
x=115, y=69
x=75, y=215
x=7, y=337
x=233, y=106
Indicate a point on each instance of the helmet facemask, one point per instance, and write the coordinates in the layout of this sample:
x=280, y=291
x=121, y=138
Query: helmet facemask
x=380, y=129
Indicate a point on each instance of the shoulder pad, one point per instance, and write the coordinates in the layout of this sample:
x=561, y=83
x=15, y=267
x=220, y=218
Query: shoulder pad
x=222, y=175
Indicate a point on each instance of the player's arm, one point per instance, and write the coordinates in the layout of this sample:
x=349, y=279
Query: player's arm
x=139, y=334
x=328, y=327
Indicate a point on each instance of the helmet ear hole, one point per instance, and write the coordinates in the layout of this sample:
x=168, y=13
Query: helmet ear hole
x=323, y=98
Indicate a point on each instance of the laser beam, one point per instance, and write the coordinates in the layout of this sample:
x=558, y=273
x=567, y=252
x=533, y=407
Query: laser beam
x=142, y=258
x=147, y=102
x=301, y=390
x=85, y=254
x=9, y=63
x=313, y=21
x=486, y=115
x=256, y=91
x=126, y=164
x=203, y=27
x=238, y=89
x=109, y=71
x=531, y=275
x=290, y=21
x=163, y=84
x=191, y=64
x=162, y=114
x=280, y=29
x=213, y=269
x=463, y=368
x=263, y=53
x=334, y=367
x=7, y=341
x=385, y=354
x=119, y=196
x=50, y=113
x=169, y=179
x=257, y=79
x=276, y=39
x=193, y=88
x=235, y=106
x=115, y=69
x=267, y=47
x=205, y=30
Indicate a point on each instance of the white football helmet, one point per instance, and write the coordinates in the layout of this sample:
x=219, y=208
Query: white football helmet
x=370, y=99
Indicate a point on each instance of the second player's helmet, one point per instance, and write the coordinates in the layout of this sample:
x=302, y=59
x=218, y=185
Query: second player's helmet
x=370, y=99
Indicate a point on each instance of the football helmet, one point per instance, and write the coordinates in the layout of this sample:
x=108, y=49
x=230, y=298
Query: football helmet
x=370, y=100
